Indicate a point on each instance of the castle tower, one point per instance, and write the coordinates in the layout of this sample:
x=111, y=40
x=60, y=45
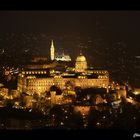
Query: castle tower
x=52, y=51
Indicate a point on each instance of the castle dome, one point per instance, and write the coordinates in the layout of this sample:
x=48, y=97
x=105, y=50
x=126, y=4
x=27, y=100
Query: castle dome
x=81, y=63
x=81, y=58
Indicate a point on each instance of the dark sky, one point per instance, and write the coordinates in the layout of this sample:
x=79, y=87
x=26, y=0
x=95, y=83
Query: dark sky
x=123, y=25
x=44, y=21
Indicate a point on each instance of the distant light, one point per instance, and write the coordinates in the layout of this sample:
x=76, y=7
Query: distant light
x=62, y=123
x=136, y=92
x=134, y=118
x=137, y=56
x=98, y=123
x=85, y=125
x=2, y=124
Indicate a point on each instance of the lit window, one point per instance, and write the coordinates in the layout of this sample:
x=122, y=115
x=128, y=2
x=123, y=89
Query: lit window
x=23, y=72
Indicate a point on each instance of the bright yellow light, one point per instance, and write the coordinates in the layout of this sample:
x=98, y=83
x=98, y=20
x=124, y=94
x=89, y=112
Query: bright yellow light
x=82, y=77
x=52, y=71
x=31, y=77
x=136, y=93
x=71, y=92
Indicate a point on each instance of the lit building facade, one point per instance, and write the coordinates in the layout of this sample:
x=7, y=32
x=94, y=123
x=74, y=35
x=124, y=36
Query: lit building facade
x=34, y=81
x=56, y=99
x=84, y=110
x=63, y=57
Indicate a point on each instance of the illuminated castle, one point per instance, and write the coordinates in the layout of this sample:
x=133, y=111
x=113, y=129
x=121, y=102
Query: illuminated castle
x=40, y=78
x=38, y=81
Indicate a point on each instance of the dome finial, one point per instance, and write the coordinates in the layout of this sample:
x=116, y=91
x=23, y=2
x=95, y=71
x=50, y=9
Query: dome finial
x=80, y=52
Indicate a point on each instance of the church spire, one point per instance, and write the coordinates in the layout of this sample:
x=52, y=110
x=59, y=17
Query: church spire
x=52, y=51
x=52, y=43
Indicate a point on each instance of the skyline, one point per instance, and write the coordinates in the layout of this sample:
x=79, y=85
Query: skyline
x=69, y=70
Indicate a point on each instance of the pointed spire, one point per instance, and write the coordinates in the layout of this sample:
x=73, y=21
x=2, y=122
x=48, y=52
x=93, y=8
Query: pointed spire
x=52, y=43
x=52, y=51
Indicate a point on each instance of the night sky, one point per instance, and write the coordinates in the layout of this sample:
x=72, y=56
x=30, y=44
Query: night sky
x=121, y=25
